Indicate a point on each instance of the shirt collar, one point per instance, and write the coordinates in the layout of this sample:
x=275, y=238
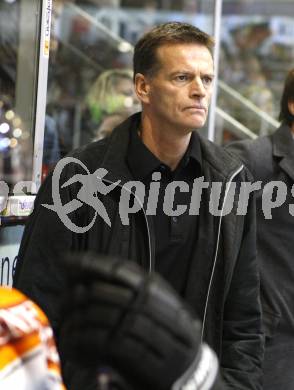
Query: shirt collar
x=142, y=162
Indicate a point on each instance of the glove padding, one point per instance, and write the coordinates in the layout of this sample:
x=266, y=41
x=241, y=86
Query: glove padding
x=114, y=314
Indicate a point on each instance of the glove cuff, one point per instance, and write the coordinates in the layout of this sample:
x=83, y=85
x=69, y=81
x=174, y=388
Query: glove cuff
x=201, y=374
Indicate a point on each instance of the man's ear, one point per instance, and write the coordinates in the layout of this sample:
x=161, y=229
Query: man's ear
x=142, y=88
x=291, y=106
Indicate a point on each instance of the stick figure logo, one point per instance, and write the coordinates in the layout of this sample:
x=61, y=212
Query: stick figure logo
x=87, y=194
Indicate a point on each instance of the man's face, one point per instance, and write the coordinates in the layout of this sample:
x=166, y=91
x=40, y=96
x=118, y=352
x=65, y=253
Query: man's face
x=180, y=91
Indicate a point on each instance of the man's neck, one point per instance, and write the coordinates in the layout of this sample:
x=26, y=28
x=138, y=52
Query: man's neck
x=166, y=144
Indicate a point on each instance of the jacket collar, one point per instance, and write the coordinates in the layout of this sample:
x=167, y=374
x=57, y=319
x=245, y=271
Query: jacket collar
x=283, y=147
x=114, y=159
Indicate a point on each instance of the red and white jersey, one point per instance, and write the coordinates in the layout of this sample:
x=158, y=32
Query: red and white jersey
x=28, y=355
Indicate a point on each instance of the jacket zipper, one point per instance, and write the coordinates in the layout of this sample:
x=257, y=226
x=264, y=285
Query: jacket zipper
x=228, y=184
x=145, y=216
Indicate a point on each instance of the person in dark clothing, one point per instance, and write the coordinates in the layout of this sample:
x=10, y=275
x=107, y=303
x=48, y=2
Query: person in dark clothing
x=208, y=254
x=271, y=158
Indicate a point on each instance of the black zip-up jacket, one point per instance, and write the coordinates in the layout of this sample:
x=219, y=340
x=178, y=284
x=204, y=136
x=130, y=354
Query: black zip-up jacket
x=223, y=282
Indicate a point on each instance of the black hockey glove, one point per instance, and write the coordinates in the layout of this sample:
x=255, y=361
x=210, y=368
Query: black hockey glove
x=116, y=315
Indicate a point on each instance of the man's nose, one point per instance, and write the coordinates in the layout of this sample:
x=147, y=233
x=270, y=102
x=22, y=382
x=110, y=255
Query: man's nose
x=197, y=88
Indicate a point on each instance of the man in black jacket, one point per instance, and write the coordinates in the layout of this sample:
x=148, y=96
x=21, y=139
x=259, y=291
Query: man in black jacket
x=271, y=159
x=195, y=240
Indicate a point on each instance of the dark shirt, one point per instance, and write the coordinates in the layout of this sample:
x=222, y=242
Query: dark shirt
x=175, y=236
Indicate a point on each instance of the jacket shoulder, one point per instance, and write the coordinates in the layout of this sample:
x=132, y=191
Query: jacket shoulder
x=255, y=154
x=91, y=154
x=221, y=160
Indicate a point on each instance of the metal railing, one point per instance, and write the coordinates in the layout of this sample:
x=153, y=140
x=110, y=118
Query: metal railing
x=248, y=104
x=234, y=126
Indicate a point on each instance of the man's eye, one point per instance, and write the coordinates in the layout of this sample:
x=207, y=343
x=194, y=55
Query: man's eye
x=207, y=80
x=182, y=77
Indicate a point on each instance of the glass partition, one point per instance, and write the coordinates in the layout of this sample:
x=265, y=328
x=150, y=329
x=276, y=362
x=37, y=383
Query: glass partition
x=18, y=68
x=257, y=50
x=19, y=54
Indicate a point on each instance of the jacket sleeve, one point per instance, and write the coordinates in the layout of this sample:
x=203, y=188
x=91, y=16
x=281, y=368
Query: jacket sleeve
x=243, y=341
x=38, y=273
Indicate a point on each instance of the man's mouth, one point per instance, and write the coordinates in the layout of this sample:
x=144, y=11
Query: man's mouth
x=196, y=108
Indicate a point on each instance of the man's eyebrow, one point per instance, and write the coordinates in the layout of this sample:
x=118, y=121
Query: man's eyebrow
x=208, y=74
x=186, y=71
x=181, y=71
